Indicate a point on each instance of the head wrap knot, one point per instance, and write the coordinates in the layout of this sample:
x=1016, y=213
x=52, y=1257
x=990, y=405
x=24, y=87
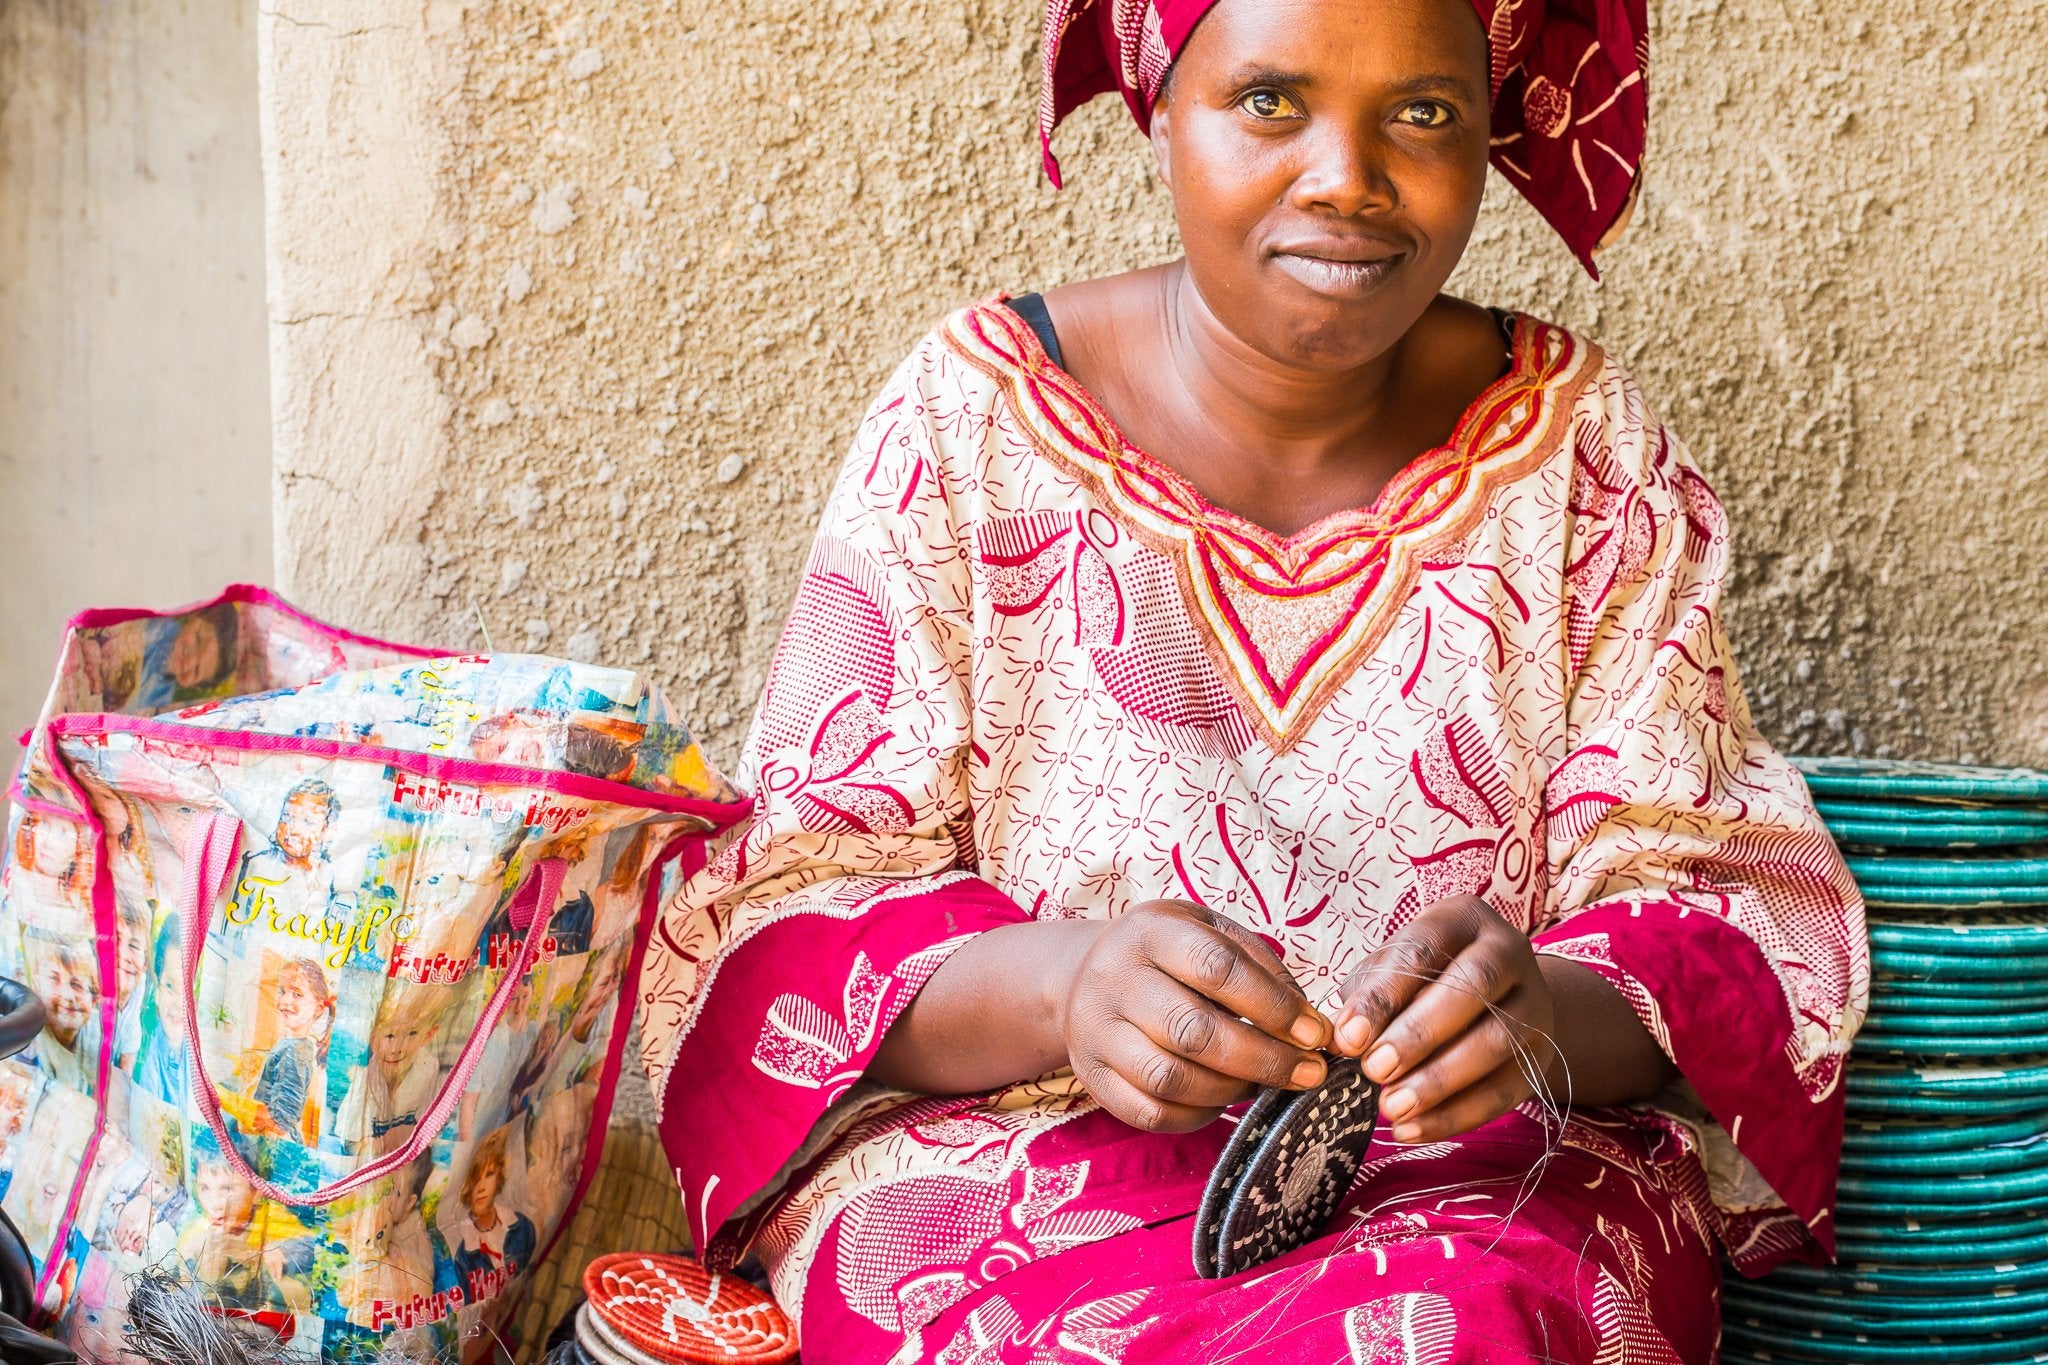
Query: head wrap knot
x=1569, y=86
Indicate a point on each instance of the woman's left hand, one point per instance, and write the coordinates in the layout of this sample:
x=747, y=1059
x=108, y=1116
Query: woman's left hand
x=1452, y=1016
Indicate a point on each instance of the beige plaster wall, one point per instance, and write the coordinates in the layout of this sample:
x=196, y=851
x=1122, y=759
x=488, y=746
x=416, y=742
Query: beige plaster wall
x=573, y=306
x=134, y=421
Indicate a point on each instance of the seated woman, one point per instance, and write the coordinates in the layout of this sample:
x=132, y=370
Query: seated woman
x=1217, y=668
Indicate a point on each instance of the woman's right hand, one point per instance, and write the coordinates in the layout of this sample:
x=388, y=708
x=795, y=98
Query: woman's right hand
x=1177, y=1013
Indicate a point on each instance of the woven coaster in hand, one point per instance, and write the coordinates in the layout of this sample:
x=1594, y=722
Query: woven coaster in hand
x=1285, y=1170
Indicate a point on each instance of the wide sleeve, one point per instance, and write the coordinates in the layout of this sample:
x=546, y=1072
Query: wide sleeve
x=775, y=972
x=1688, y=866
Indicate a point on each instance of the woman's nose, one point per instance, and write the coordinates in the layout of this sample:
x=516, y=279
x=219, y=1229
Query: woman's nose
x=1345, y=174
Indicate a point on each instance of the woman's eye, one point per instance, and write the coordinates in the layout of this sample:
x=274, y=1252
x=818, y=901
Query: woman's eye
x=1425, y=114
x=1268, y=104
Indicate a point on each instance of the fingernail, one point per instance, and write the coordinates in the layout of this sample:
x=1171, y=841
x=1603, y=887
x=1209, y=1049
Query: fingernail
x=1398, y=1103
x=1354, y=1035
x=1407, y=1132
x=1307, y=1073
x=1380, y=1066
x=1307, y=1031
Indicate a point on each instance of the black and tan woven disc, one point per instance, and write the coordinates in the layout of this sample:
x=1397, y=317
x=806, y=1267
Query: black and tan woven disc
x=1285, y=1170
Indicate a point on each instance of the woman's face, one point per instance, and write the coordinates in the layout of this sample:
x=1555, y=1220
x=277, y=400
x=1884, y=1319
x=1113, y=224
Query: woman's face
x=1326, y=159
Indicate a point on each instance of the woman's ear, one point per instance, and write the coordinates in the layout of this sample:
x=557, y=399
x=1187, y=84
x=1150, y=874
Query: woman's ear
x=1162, y=140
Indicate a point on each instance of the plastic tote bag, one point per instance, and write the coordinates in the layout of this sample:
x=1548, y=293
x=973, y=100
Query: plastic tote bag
x=339, y=941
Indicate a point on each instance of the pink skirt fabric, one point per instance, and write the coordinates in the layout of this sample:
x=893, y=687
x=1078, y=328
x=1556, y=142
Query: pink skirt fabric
x=1521, y=1241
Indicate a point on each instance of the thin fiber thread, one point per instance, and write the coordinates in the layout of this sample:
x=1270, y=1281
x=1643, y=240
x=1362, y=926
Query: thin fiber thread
x=175, y=1321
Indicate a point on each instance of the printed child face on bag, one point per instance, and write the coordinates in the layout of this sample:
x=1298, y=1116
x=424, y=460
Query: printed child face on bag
x=391, y=826
x=110, y=667
x=64, y=974
x=390, y=1092
x=51, y=857
x=19, y=1088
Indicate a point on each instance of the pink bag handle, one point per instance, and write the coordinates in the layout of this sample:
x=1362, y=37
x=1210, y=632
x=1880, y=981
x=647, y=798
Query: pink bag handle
x=209, y=863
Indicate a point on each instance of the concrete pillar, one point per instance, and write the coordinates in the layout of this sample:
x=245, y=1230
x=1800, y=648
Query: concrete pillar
x=134, y=420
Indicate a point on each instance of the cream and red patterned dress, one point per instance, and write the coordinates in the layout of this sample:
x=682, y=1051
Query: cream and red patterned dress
x=1032, y=673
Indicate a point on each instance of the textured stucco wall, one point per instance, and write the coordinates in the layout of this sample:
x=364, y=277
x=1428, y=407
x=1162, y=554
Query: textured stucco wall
x=134, y=426
x=573, y=307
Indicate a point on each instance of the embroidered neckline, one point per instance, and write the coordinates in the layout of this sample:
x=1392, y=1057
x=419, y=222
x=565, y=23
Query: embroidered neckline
x=1289, y=618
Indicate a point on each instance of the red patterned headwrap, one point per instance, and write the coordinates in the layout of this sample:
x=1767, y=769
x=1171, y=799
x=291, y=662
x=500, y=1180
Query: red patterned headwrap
x=1569, y=88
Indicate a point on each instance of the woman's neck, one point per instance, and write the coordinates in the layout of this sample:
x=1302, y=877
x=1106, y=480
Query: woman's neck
x=1295, y=420
x=1280, y=445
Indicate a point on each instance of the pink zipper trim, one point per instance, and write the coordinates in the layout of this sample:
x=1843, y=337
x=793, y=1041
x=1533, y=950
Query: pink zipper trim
x=254, y=595
x=209, y=864
x=106, y=937
x=250, y=594
x=468, y=771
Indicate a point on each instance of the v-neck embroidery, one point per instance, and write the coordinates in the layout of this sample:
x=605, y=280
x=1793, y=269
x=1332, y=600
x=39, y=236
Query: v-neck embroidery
x=1288, y=618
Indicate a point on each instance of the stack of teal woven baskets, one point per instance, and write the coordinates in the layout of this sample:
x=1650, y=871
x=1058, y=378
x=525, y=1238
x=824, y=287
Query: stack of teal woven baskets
x=1943, y=1213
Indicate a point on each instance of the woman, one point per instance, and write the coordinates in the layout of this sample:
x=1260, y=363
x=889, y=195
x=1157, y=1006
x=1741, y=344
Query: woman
x=1215, y=668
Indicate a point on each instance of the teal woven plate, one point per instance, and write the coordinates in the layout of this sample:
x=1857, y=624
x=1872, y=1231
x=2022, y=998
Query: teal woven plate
x=1913, y=1252
x=1947, y=1281
x=1962, y=965
x=1939, y=1013
x=1884, y=896
x=1963, y=1161
x=1901, y=1136
x=1891, y=779
x=1936, y=1047
x=1779, y=1347
x=1939, y=871
x=1940, y=1106
x=1899, y=834
x=1944, y=1190
x=1887, y=1018
x=1870, y=1315
x=1891, y=1307
x=2020, y=1076
x=1975, y=934
x=1958, y=995
x=1930, y=813
x=1934, y=1208
x=2005, y=1233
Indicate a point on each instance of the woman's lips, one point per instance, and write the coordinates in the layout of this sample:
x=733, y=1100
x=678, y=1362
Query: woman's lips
x=1340, y=277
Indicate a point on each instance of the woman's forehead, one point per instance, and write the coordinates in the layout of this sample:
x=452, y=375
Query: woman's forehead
x=1360, y=40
